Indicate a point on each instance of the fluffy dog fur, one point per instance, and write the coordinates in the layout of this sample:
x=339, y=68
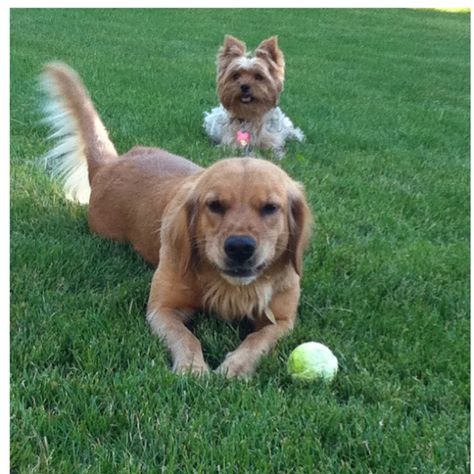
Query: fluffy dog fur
x=249, y=88
x=180, y=217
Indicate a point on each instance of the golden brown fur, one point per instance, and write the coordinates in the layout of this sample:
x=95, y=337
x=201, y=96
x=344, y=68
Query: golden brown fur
x=183, y=219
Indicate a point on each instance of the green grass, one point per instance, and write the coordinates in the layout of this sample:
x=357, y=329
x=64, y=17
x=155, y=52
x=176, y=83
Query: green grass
x=383, y=97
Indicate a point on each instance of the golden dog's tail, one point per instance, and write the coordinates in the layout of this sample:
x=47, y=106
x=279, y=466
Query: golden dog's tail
x=83, y=144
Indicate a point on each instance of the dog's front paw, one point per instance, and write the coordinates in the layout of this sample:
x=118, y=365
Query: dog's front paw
x=237, y=365
x=194, y=366
x=279, y=153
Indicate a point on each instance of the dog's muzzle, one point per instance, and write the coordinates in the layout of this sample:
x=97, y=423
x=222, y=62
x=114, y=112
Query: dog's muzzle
x=240, y=252
x=239, y=249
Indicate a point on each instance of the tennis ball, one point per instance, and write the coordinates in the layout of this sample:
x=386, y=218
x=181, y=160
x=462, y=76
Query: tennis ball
x=311, y=361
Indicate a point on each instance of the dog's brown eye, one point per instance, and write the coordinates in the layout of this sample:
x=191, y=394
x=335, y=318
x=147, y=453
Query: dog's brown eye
x=268, y=209
x=236, y=76
x=258, y=77
x=216, y=207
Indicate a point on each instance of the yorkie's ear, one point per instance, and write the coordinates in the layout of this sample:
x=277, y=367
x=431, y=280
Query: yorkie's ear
x=233, y=46
x=231, y=49
x=269, y=51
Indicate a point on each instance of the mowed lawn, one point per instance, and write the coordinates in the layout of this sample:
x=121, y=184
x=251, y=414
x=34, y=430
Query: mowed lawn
x=383, y=98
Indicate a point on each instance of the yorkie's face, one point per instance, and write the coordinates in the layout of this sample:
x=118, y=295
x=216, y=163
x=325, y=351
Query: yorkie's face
x=248, y=87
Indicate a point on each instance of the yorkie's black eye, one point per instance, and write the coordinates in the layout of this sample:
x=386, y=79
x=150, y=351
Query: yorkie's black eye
x=258, y=77
x=269, y=209
x=216, y=207
x=236, y=76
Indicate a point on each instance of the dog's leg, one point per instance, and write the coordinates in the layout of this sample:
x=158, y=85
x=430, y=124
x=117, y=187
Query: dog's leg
x=243, y=361
x=185, y=348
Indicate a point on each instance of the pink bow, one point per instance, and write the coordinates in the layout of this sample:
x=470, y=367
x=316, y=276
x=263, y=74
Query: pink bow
x=243, y=138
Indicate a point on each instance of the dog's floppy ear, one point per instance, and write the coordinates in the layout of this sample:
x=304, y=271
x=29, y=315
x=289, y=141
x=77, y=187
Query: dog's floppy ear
x=179, y=229
x=299, y=225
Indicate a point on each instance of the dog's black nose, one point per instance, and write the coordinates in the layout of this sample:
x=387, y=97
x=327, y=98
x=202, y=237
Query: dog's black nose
x=245, y=88
x=239, y=248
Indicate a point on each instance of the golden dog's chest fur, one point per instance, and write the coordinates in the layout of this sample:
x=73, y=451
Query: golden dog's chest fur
x=231, y=302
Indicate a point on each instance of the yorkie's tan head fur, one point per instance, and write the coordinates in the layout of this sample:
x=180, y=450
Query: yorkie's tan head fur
x=249, y=85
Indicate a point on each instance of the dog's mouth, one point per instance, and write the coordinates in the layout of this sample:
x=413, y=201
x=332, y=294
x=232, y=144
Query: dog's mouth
x=239, y=272
x=243, y=274
x=247, y=98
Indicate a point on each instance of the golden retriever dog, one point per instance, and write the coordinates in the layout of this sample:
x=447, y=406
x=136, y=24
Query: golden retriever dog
x=228, y=239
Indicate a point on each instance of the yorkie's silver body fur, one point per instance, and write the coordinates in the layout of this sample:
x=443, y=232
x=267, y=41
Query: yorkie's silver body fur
x=249, y=88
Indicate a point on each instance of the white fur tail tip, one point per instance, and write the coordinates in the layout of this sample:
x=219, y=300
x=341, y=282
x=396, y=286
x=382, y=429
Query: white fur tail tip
x=67, y=160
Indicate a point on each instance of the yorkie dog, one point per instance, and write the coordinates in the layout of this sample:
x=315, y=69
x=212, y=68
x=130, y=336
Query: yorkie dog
x=249, y=87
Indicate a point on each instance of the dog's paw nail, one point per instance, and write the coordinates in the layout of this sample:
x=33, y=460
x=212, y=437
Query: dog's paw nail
x=199, y=370
x=234, y=369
